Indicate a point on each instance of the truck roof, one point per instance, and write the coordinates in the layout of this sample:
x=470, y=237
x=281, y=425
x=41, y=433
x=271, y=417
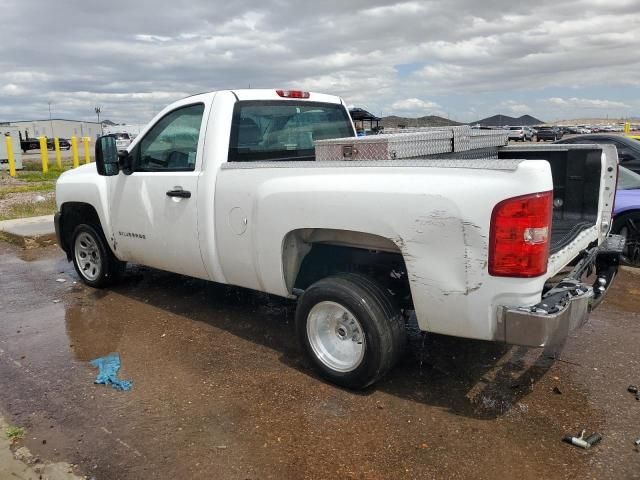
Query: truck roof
x=245, y=94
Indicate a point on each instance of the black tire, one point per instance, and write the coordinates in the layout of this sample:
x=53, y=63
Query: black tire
x=628, y=224
x=108, y=269
x=382, y=326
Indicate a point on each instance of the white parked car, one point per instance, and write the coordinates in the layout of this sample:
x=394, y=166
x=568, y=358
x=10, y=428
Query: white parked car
x=521, y=133
x=225, y=186
x=123, y=140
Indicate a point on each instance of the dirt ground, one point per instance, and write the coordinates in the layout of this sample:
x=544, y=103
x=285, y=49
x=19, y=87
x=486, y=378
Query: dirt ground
x=221, y=389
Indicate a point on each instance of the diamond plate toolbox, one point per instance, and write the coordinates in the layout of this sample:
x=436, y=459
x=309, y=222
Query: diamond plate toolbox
x=423, y=143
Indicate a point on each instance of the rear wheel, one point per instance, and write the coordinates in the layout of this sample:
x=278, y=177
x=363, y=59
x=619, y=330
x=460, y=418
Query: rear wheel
x=93, y=259
x=628, y=225
x=350, y=328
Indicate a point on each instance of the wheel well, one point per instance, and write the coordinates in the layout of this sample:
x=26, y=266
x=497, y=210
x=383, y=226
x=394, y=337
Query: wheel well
x=73, y=214
x=312, y=254
x=616, y=220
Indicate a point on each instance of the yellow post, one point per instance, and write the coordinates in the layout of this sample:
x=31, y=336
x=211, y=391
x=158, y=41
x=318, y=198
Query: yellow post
x=627, y=127
x=12, y=163
x=74, y=151
x=85, y=142
x=44, y=155
x=56, y=144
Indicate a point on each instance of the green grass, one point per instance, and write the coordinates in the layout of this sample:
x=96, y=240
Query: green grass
x=36, y=209
x=14, y=433
x=38, y=176
x=35, y=187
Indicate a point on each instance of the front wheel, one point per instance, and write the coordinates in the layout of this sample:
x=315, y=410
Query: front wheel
x=628, y=225
x=93, y=259
x=350, y=328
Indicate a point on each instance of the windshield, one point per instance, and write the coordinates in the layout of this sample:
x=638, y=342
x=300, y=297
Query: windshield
x=515, y=128
x=284, y=130
x=628, y=180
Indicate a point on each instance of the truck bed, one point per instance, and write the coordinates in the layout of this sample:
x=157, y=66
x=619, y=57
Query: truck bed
x=576, y=188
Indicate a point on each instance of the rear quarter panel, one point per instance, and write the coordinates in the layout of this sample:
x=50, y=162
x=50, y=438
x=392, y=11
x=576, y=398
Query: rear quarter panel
x=437, y=217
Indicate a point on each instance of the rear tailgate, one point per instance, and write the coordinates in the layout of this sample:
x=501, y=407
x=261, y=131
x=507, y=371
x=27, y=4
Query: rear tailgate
x=584, y=257
x=584, y=187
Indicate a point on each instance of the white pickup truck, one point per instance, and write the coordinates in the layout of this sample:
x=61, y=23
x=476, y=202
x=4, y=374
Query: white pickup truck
x=225, y=186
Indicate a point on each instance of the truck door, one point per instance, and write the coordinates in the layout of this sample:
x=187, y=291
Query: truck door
x=154, y=210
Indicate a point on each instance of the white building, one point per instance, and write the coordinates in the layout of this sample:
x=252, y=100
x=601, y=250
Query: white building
x=58, y=127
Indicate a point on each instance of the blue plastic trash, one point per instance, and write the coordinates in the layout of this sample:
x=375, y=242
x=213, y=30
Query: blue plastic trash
x=108, y=372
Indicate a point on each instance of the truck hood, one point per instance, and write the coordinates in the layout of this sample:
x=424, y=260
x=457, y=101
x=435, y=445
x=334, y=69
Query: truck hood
x=86, y=169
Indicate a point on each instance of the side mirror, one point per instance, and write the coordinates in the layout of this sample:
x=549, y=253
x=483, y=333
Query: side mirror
x=107, y=156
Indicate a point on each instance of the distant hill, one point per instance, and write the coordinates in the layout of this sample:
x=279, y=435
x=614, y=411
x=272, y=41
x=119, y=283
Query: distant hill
x=428, y=121
x=108, y=123
x=501, y=120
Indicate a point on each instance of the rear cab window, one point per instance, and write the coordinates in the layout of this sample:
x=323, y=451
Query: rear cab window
x=284, y=130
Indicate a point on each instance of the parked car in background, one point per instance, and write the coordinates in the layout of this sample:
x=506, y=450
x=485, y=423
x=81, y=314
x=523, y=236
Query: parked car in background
x=29, y=144
x=531, y=132
x=123, y=140
x=521, y=134
x=34, y=144
x=626, y=220
x=62, y=142
x=549, y=133
x=628, y=148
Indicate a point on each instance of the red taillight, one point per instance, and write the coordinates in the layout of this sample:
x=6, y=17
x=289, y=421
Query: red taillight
x=519, y=238
x=292, y=93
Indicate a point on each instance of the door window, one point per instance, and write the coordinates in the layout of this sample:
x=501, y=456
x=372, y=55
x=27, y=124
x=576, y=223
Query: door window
x=172, y=143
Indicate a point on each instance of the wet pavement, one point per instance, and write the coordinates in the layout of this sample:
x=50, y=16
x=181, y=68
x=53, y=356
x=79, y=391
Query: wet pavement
x=222, y=390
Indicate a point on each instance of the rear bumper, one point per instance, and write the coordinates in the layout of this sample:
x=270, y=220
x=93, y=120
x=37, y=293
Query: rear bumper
x=566, y=306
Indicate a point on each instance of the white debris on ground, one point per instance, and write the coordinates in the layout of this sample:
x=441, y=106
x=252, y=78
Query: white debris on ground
x=20, y=198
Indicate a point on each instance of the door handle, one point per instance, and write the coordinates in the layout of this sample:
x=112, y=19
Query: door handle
x=178, y=192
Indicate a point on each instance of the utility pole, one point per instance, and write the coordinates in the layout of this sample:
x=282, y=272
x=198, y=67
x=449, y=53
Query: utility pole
x=98, y=110
x=51, y=121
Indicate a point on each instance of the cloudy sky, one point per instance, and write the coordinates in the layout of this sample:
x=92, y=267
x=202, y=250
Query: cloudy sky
x=460, y=58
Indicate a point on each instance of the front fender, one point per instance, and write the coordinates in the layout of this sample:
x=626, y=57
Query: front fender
x=84, y=185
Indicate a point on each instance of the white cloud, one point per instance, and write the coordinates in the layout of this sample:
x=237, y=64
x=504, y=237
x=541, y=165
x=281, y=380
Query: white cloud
x=520, y=108
x=516, y=107
x=464, y=56
x=415, y=106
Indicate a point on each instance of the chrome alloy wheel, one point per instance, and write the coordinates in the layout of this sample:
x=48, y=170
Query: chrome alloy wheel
x=336, y=336
x=87, y=256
